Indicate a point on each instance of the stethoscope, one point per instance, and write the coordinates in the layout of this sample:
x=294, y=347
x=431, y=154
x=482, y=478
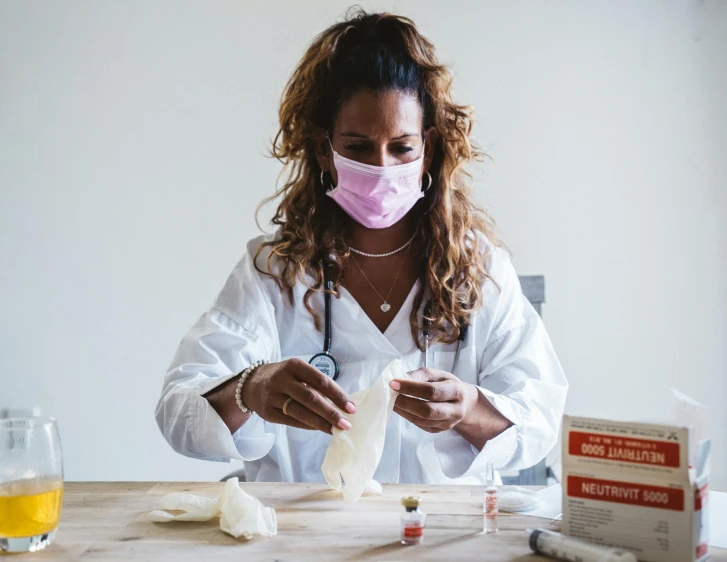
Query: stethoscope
x=427, y=324
x=326, y=363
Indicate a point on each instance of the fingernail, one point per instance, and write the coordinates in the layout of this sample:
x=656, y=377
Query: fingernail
x=343, y=423
x=350, y=407
x=395, y=385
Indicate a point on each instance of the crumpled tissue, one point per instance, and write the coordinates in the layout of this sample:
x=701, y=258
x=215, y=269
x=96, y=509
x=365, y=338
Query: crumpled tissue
x=241, y=515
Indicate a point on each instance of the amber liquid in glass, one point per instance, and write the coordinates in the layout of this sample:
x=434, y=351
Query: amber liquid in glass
x=30, y=507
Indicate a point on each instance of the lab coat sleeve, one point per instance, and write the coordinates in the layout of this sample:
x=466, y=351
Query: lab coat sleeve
x=519, y=373
x=236, y=331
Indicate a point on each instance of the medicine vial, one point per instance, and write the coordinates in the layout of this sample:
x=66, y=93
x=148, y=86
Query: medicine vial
x=412, y=521
x=489, y=504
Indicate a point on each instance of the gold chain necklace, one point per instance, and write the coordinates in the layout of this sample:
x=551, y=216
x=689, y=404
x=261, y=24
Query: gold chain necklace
x=385, y=307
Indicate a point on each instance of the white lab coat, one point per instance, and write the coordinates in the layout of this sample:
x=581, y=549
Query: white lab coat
x=507, y=354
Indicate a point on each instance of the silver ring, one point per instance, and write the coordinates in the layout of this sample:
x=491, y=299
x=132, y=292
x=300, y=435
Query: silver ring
x=285, y=406
x=322, y=184
x=429, y=184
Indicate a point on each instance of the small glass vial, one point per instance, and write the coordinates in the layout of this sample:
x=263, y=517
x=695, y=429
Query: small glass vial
x=412, y=522
x=490, y=502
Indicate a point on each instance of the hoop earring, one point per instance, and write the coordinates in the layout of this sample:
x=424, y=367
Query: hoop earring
x=323, y=183
x=429, y=184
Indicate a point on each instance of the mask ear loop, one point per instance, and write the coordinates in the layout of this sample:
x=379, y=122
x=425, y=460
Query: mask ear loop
x=323, y=183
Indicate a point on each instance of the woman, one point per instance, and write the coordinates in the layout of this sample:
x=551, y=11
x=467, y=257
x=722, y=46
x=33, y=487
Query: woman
x=376, y=215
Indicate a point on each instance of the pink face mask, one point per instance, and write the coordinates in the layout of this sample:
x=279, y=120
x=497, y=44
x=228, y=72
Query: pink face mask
x=376, y=196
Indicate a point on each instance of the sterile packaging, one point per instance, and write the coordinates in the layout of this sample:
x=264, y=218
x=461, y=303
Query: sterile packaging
x=638, y=486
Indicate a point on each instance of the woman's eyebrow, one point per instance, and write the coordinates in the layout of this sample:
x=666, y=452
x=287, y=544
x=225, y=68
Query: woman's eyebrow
x=360, y=136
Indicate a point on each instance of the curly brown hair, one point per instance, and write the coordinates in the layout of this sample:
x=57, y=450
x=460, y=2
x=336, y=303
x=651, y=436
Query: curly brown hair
x=379, y=52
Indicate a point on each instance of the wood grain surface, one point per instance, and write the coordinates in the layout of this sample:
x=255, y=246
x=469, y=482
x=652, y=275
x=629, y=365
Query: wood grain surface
x=109, y=521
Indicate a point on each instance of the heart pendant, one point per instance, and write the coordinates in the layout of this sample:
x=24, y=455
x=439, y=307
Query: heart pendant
x=386, y=307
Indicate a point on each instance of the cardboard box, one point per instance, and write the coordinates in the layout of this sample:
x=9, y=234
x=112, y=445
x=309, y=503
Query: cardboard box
x=630, y=485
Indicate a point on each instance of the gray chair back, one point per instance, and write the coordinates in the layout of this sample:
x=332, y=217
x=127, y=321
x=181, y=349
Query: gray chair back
x=533, y=287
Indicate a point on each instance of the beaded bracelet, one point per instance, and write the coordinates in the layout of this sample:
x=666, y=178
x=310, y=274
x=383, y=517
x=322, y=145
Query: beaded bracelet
x=243, y=377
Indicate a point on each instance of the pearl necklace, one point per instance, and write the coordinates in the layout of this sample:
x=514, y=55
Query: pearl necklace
x=360, y=253
x=385, y=306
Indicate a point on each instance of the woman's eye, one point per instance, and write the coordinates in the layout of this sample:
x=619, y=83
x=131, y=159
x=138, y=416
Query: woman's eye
x=363, y=148
x=355, y=147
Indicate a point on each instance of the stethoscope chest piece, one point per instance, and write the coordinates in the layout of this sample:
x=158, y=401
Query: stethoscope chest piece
x=326, y=364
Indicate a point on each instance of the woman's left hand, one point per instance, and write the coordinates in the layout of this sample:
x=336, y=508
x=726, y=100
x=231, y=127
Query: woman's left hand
x=434, y=400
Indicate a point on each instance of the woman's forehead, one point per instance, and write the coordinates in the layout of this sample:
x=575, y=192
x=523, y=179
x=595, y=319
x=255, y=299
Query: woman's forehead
x=382, y=115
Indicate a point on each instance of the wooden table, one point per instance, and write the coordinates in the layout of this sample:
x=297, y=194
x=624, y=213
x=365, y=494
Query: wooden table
x=109, y=521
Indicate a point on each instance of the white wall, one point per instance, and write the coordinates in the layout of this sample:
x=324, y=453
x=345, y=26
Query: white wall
x=131, y=158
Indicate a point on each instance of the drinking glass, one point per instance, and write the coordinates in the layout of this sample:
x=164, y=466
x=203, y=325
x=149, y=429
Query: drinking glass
x=31, y=483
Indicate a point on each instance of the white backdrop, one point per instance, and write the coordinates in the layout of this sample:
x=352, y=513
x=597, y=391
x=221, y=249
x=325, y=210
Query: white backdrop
x=132, y=141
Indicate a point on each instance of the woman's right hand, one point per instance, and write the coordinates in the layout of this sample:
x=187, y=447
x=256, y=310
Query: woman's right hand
x=315, y=400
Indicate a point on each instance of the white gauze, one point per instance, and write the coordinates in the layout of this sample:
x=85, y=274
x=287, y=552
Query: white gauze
x=353, y=455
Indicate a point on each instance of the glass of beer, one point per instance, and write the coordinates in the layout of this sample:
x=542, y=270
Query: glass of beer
x=31, y=483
